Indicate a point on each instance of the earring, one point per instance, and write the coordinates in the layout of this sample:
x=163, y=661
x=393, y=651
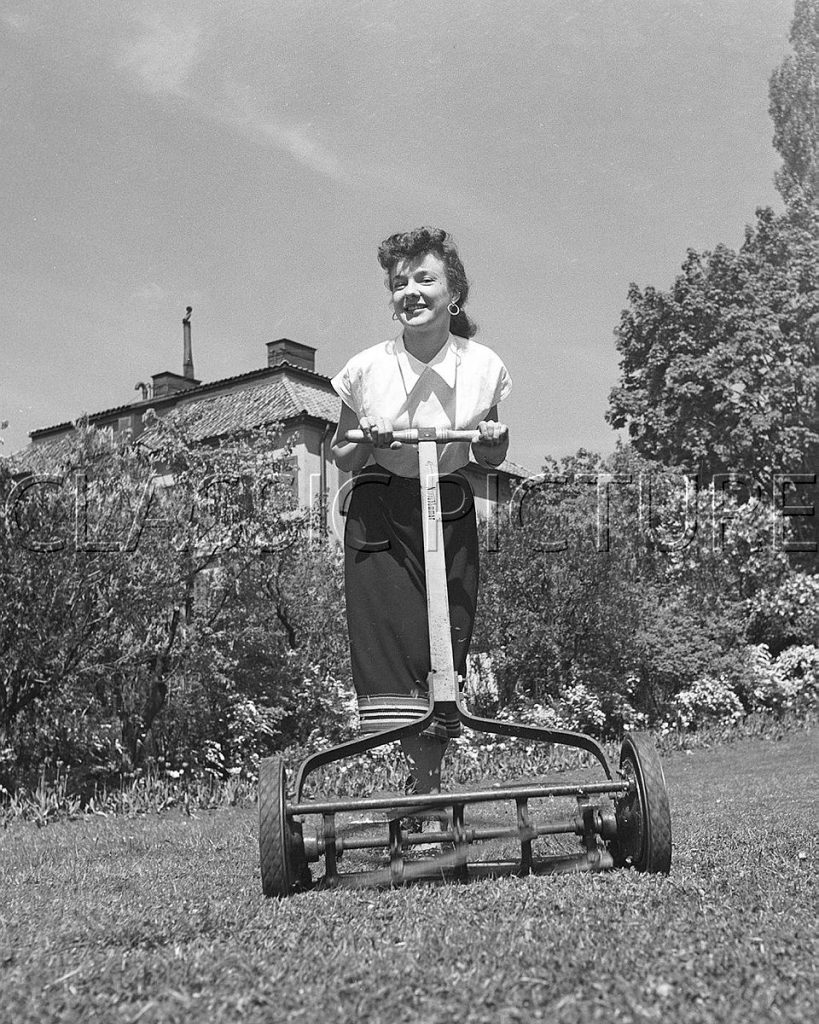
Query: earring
x=455, y=311
x=394, y=315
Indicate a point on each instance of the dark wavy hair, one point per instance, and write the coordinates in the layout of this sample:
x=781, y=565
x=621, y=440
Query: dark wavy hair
x=410, y=245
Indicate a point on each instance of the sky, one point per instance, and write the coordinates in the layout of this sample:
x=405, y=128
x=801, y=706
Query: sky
x=247, y=157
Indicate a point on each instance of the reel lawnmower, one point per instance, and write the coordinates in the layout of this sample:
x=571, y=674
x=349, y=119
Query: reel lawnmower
x=620, y=821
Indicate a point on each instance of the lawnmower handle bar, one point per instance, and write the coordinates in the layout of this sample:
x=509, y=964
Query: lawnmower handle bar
x=441, y=435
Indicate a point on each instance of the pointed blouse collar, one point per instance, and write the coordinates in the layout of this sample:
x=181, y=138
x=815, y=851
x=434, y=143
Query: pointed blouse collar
x=444, y=362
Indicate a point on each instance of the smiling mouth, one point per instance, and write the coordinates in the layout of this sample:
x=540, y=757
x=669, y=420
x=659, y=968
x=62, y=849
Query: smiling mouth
x=412, y=310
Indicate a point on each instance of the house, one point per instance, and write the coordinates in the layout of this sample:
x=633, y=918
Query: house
x=288, y=391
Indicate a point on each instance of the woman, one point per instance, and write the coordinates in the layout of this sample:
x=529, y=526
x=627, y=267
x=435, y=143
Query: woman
x=431, y=374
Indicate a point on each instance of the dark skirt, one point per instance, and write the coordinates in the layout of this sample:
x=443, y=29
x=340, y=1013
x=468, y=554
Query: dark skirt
x=386, y=594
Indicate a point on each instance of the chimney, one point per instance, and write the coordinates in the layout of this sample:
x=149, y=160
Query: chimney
x=293, y=353
x=187, y=350
x=167, y=383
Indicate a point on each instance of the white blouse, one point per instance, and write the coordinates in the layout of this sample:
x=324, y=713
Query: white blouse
x=456, y=389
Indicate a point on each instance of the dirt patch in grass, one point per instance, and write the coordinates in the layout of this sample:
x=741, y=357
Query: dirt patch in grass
x=161, y=918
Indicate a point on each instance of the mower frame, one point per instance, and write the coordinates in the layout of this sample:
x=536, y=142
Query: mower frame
x=632, y=829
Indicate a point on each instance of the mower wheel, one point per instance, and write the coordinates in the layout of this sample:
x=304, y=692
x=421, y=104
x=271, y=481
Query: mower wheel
x=281, y=848
x=643, y=816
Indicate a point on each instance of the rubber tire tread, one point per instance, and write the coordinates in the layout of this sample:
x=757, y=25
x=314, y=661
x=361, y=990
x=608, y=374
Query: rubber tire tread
x=656, y=813
x=277, y=874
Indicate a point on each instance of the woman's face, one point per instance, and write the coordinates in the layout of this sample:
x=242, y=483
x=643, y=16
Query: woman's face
x=420, y=292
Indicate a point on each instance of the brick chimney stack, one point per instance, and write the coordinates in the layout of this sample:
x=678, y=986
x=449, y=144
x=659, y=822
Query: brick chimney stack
x=285, y=350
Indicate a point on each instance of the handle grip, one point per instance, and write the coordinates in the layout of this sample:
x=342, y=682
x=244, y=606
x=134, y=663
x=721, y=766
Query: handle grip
x=441, y=435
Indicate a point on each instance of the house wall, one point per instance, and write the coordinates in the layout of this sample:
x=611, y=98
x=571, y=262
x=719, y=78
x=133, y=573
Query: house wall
x=310, y=448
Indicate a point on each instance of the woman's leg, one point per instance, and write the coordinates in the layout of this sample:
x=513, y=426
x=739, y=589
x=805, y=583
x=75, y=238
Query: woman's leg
x=424, y=756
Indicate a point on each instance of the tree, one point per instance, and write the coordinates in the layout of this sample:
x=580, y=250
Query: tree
x=794, y=108
x=719, y=374
x=597, y=588
x=554, y=611
x=160, y=598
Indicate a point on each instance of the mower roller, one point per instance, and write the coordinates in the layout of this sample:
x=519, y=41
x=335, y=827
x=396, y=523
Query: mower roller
x=621, y=821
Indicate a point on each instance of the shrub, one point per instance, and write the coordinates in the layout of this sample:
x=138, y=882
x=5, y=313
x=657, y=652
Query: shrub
x=789, y=682
x=481, y=685
x=208, y=637
x=639, y=590
x=785, y=615
x=708, y=700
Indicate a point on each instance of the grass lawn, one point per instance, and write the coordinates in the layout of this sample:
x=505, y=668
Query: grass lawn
x=161, y=918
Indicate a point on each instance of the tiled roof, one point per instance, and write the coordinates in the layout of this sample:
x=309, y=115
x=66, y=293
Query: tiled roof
x=236, y=403
x=284, y=397
x=249, y=400
x=308, y=385
x=45, y=457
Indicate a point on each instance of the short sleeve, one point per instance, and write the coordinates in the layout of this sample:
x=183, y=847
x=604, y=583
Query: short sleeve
x=503, y=386
x=342, y=385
